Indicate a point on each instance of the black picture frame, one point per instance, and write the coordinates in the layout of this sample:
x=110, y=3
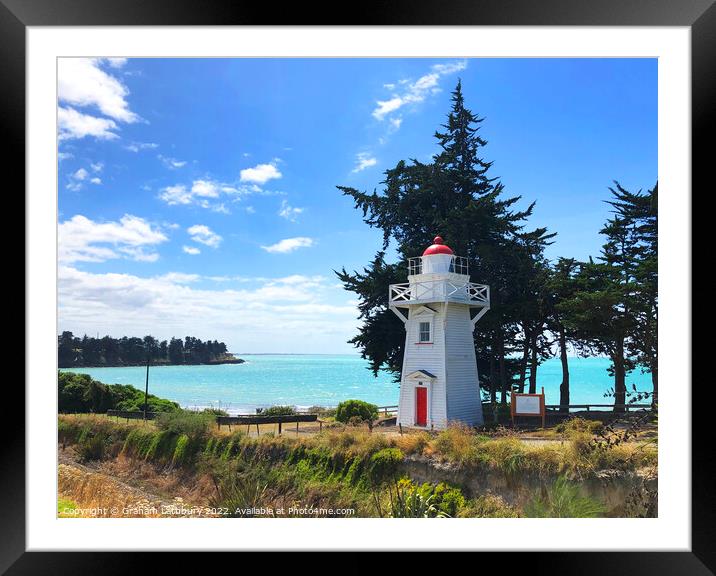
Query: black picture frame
x=699, y=15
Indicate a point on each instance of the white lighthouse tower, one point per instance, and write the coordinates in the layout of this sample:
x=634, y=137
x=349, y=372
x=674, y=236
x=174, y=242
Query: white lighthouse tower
x=439, y=307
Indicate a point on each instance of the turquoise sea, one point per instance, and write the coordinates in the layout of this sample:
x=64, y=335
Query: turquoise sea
x=325, y=380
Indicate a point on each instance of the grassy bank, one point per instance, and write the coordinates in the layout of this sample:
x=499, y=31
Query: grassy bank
x=352, y=468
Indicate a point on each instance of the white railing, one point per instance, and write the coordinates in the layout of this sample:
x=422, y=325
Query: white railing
x=458, y=265
x=439, y=291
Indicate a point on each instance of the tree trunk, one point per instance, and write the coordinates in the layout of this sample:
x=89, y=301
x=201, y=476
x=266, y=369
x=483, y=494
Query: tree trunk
x=564, y=386
x=619, y=377
x=533, y=364
x=523, y=363
x=503, y=374
x=655, y=385
x=493, y=377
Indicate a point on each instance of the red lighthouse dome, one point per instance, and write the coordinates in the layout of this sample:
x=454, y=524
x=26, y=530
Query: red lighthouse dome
x=437, y=247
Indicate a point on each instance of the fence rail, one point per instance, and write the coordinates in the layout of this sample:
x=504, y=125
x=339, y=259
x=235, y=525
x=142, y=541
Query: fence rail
x=132, y=414
x=588, y=407
x=386, y=410
x=257, y=420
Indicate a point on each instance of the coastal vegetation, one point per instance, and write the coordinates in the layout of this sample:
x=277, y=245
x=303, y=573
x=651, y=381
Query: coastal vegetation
x=417, y=475
x=356, y=410
x=78, y=393
x=606, y=305
x=73, y=351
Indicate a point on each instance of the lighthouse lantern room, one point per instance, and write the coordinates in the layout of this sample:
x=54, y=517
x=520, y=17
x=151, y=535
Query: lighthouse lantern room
x=439, y=307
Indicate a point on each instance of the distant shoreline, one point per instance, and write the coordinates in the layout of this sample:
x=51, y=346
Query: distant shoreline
x=157, y=364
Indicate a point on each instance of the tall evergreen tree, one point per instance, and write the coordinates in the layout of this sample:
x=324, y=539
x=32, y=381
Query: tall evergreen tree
x=608, y=306
x=452, y=196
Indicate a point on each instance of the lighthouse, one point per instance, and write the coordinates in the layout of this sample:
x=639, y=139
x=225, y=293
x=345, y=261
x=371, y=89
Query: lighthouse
x=439, y=308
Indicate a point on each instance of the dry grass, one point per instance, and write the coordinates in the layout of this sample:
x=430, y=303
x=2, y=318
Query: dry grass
x=96, y=495
x=576, y=454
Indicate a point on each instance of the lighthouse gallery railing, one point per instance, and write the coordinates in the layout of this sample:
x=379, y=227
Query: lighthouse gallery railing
x=439, y=290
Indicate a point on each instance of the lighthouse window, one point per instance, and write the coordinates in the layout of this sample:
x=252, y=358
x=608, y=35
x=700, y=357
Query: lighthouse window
x=424, y=332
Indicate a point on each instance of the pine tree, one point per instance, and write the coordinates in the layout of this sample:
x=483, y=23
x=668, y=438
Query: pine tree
x=452, y=196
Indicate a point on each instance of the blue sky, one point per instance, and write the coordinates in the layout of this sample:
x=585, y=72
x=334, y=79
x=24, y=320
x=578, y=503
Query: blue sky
x=197, y=197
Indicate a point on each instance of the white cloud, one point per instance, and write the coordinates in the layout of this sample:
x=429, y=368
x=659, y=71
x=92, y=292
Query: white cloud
x=73, y=124
x=171, y=163
x=64, y=156
x=364, y=160
x=176, y=195
x=204, y=235
x=81, y=174
x=260, y=174
x=82, y=82
x=116, y=62
x=137, y=146
x=289, y=245
x=191, y=250
x=261, y=314
x=387, y=106
x=200, y=192
x=77, y=178
x=250, y=210
x=97, y=167
x=178, y=277
x=415, y=92
x=83, y=240
x=289, y=212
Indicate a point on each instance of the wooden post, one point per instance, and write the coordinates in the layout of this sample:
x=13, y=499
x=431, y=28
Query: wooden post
x=400, y=427
x=296, y=427
x=258, y=432
x=248, y=429
x=320, y=425
x=279, y=428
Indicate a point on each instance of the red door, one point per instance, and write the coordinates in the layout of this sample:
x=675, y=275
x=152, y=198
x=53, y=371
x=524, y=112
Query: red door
x=421, y=403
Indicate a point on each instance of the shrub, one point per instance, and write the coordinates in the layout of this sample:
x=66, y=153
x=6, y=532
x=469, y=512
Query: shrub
x=351, y=408
x=80, y=393
x=412, y=504
x=91, y=446
x=448, y=499
x=384, y=465
x=278, y=411
x=321, y=411
x=215, y=411
x=195, y=425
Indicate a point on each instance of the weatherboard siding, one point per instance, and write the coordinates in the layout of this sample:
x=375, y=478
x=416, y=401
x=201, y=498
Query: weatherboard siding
x=428, y=357
x=463, y=393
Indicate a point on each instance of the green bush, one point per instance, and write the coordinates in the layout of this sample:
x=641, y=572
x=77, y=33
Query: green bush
x=278, y=411
x=448, y=499
x=195, y=425
x=79, y=393
x=91, y=446
x=351, y=408
x=384, y=465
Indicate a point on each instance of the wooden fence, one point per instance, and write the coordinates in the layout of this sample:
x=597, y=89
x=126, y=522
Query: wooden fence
x=249, y=420
x=132, y=414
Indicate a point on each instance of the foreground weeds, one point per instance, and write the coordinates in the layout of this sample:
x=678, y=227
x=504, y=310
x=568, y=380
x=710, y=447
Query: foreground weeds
x=353, y=468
